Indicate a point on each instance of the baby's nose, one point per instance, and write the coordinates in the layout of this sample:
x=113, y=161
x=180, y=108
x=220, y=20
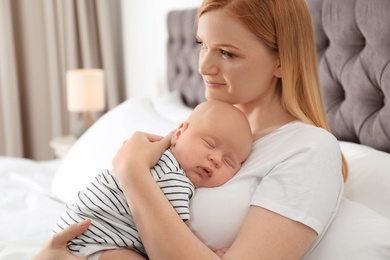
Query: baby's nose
x=215, y=160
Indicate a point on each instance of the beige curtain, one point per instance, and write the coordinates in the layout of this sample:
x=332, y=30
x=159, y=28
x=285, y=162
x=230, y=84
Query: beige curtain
x=39, y=41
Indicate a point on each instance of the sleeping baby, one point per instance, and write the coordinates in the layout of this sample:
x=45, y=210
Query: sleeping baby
x=206, y=150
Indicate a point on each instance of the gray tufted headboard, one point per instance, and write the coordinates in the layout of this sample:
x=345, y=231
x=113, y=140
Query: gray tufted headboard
x=353, y=48
x=183, y=52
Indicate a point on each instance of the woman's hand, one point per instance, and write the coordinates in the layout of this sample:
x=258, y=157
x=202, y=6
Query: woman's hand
x=139, y=153
x=56, y=247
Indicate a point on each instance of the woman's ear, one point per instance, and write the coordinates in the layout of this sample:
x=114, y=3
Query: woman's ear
x=176, y=135
x=278, y=69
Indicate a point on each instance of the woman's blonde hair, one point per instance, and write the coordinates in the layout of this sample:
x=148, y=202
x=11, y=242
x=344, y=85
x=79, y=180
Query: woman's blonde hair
x=285, y=27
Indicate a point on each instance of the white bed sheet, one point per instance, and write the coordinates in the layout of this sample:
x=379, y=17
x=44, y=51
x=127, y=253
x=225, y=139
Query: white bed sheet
x=28, y=210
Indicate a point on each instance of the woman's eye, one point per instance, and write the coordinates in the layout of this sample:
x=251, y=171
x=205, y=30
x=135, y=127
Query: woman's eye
x=203, y=46
x=227, y=54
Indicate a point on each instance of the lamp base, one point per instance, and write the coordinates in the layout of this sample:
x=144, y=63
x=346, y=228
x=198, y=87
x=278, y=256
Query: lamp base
x=83, y=122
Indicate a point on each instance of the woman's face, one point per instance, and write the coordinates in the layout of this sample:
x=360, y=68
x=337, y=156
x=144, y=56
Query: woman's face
x=235, y=64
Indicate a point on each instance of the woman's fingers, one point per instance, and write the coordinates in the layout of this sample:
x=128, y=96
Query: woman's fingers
x=157, y=138
x=159, y=143
x=166, y=141
x=56, y=247
x=141, y=150
x=152, y=137
x=140, y=143
x=70, y=232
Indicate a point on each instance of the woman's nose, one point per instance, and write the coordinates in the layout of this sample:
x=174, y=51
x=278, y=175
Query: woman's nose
x=215, y=160
x=207, y=64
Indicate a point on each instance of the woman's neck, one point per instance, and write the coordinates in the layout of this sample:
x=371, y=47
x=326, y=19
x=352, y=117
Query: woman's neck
x=265, y=119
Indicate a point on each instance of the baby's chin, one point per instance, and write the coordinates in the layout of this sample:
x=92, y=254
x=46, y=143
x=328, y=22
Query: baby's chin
x=201, y=182
x=195, y=178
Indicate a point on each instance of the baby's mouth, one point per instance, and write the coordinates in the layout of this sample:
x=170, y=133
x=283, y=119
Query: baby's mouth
x=204, y=171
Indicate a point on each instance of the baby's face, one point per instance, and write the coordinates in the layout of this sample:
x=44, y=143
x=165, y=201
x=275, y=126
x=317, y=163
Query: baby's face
x=211, y=154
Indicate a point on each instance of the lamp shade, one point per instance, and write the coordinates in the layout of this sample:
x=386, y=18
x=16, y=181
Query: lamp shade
x=85, y=90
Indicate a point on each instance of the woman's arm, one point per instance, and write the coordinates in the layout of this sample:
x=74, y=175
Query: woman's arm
x=263, y=235
x=163, y=232
x=267, y=235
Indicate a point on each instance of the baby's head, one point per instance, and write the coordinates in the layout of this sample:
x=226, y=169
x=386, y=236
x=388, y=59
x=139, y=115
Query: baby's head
x=213, y=143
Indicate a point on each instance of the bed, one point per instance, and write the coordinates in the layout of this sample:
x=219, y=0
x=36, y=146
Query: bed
x=353, y=44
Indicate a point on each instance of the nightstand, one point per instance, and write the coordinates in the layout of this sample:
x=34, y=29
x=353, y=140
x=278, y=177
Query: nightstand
x=61, y=145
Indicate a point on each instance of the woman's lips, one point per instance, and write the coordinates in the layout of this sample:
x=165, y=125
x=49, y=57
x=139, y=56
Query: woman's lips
x=212, y=84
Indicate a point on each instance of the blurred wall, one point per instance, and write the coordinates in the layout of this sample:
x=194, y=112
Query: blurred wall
x=145, y=37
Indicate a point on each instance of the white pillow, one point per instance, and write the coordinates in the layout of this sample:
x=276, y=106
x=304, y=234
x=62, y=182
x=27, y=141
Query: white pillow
x=95, y=149
x=369, y=177
x=361, y=228
x=357, y=232
x=172, y=107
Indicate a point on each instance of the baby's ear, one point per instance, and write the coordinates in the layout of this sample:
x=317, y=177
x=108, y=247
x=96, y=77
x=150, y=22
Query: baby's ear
x=176, y=135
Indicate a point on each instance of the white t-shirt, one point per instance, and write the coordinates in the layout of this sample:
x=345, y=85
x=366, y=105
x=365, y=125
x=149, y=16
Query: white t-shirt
x=294, y=171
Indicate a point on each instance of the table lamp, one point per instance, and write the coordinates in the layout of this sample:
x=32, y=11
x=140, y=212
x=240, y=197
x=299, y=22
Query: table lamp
x=85, y=94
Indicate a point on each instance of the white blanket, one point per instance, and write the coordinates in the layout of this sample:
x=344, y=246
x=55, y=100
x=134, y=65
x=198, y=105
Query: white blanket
x=28, y=210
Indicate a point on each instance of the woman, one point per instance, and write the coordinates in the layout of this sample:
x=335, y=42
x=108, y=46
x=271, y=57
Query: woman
x=260, y=56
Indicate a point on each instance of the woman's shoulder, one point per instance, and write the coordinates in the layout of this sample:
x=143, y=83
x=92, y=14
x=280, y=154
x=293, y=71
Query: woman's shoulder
x=297, y=139
x=298, y=133
x=313, y=135
x=300, y=128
